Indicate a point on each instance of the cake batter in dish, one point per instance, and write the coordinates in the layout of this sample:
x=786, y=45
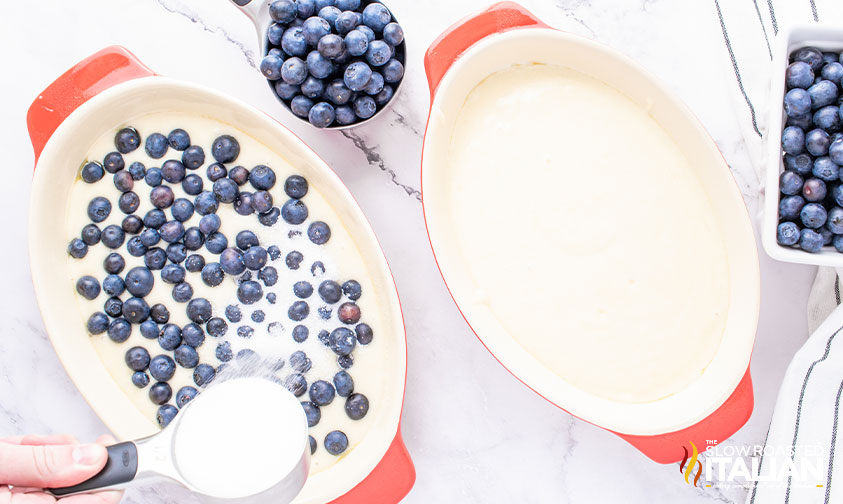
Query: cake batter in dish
x=586, y=233
x=339, y=260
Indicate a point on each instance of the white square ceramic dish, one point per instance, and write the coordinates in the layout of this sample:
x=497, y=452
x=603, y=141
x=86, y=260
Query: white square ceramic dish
x=825, y=38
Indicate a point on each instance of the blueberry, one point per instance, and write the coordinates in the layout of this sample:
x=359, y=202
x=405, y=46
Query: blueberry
x=216, y=243
x=192, y=184
x=249, y=292
x=167, y=412
x=137, y=358
x=223, y=352
x=161, y=197
x=813, y=215
x=113, y=307
x=330, y=46
x=345, y=361
x=206, y=203
x=827, y=118
x=294, y=259
x=294, y=71
x=171, y=231
x=245, y=332
x=321, y=115
x=835, y=220
x=797, y=102
x=173, y=274
x=203, y=375
x=140, y=379
x=365, y=333
x=231, y=261
x=793, y=140
x=384, y=96
x=832, y=72
x=330, y=14
x=243, y=204
x=193, y=157
x=99, y=209
x=343, y=22
x=193, y=240
x=271, y=298
x=810, y=240
x=126, y=140
x=356, y=406
x=306, y=8
x=393, y=71
x=314, y=28
x=365, y=107
x=186, y=356
x=835, y=151
x=313, y=444
x=319, y=233
x=217, y=327
x=344, y=115
x=262, y=177
x=97, y=323
x=92, y=172
x=375, y=84
x=349, y=313
x=317, y=269
x=324, y=337
x=114, y=263
x=225, y=190
x=170, y=337
x=132, y=224
x=286, y=91
x=154, y=219
x=159, y=394
x=113, y=236
x=320, y=4
x=837, y=241
x=214, y=172
x=353, y=290
x=137, y=170
x=356, y=43
x=330, y=291
x=149, y=329
x=801, y=163
x=343, y=341
x=255, y=258
x=194, y=263
x=337, y=92
x=135, y=310
x=826, y=169
x=336, y=441
x=183, y=292
x=300, y=361
x=343, y=383
x=368, y=32
x=156, y=145
x=209, y=224
x=119, y=330
x=113, y=162
x=77, y=248
x=393, y=34
x=799, y=75
x=348, y=5
x=283, y=11
x=113, y=285
x=269, y=218
x=128, y=202
x=154, y=177
x=199, y=310
x=258, y=316
x=357, y=75
x=325, y=312
x=312, y=412
x=182, y=210
x=296, y=383
x=173, y=171
x=155, y=258
x=179, y=139
x=823, y=93
x=810, y=55
x=185, y=395
x=275, y=35
x=270, y=66
x=322, y=393
x=298, y=311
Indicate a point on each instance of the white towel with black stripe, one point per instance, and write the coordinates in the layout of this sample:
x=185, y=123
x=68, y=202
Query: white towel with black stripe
x=803, y=457
x=748, y=29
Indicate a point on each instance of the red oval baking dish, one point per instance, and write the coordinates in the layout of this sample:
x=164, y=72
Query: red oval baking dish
x=712, y=406
x=102, y=93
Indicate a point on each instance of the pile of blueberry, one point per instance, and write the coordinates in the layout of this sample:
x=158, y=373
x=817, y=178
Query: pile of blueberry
x=333, y=62
x=811, y=200
x=171, y=251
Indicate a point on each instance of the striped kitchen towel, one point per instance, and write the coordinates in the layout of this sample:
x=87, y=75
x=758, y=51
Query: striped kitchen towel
x=802, y=446
x=748, y=30
x=802, y=460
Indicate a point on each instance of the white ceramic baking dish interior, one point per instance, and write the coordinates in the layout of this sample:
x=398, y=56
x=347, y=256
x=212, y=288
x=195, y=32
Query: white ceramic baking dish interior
x=57, y=170
x=823, y=37
x=548, y=46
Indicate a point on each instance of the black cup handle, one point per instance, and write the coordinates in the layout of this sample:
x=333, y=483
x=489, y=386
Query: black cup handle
x=242, y=3
x=121, y=467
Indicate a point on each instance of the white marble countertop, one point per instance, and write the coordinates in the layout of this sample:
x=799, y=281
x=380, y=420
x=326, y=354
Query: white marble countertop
x=475, y=433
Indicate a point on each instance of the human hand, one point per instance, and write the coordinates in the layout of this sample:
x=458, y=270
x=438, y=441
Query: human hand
x=31, y=463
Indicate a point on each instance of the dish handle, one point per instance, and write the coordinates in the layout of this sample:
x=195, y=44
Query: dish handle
x=389, y=482
x=717, y=427
x=454, y=41
x=96, y=73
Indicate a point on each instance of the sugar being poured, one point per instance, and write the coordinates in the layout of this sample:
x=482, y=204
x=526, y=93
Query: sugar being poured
x=240, y=437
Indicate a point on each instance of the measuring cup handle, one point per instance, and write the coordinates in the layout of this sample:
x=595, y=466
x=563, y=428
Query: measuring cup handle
x=252, y=9
x=121, y=467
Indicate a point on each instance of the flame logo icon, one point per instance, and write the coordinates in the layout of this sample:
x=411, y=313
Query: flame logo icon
x=690, y=464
